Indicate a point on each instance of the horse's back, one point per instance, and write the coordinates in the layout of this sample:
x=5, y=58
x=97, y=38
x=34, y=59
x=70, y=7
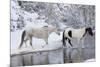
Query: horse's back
x=78, y=33
x=39, y=32
x=75, y=33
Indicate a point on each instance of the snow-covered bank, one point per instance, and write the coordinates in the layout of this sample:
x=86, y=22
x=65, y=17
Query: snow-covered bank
x=90, y=60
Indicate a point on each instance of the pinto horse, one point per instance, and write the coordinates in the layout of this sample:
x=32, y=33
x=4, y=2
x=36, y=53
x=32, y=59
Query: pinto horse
x=39, y=32
x=70, y=33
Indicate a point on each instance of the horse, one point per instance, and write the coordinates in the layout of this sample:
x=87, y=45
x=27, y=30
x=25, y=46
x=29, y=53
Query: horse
x=70, y=33
x=38, y=32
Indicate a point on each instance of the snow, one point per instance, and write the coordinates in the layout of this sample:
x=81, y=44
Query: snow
x=90, y=60
x=28, y=16
x=14, y=10
x=36, y=25
x=54, y=41
x=15, y=39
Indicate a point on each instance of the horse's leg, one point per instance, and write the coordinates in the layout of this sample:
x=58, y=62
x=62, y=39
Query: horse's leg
x=21, y=44
x=63, y=40
x=26, y=42
x=31, y=41
x=70, y=42
x=46, y=41
x=80, y=49
x=82, y=42
x=78, y=41
x=22, y=39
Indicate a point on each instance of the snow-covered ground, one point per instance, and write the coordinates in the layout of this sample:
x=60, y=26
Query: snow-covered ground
x=90, y=60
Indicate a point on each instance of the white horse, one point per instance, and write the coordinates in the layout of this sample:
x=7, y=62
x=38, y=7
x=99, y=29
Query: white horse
x=70, y=33
x=39, y=32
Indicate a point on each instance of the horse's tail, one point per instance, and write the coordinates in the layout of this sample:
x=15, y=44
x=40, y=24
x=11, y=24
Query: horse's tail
x=22, y=38
x=63, y=39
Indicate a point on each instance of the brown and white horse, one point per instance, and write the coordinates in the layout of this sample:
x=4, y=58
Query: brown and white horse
x=70, y=33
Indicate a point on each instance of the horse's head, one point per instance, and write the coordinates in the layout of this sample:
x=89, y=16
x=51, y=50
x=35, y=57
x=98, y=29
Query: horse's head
x=89, y=30
x=53, y=29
